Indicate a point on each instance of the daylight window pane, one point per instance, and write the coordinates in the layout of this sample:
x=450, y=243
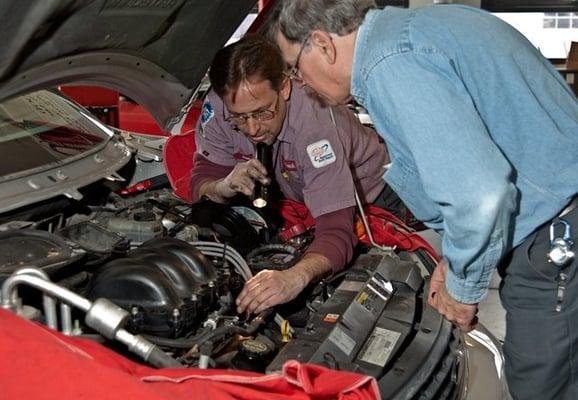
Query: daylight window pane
x=549, y=14
x=564, y=23
x=541, y=31
x=575, y=23
x=563, y=14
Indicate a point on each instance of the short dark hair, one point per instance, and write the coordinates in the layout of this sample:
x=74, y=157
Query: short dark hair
x=251, y=57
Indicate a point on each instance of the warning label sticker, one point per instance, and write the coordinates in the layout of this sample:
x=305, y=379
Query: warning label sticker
x=379, y=347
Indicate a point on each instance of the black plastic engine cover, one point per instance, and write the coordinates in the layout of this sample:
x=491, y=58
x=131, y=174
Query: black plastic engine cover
x=201, y=269
x=173, y=267
x=134, y=282
x=156, y=284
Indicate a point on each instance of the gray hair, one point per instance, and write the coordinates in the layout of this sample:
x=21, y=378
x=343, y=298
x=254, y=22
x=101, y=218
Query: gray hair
x=299, y=17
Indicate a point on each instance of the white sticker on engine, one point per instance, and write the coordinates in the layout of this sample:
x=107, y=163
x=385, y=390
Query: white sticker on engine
x=379, y=346
x=342, y=340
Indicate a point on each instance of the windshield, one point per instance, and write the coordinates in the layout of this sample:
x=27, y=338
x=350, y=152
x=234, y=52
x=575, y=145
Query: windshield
x=41, y=129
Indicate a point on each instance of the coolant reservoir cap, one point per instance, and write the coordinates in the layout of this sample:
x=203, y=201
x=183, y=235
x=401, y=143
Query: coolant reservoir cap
x=254, y=349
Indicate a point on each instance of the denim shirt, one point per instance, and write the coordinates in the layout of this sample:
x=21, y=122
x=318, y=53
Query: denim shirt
x=482, y=130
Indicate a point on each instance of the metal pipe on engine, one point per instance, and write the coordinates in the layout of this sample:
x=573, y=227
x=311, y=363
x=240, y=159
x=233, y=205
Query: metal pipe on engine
x=48, y=302
x=102, y=315
x=66, y=319
x=10, y=293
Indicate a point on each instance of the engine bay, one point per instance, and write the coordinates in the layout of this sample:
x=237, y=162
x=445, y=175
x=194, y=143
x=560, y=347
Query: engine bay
x=156, y=273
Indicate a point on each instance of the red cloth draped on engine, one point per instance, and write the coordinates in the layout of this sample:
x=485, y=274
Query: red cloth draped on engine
x=386, y=228
x=41, y=364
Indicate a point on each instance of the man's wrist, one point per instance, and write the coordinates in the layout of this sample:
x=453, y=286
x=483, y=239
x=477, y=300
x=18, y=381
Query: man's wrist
x=223, y=189
x=216, y=190
x=312, y=267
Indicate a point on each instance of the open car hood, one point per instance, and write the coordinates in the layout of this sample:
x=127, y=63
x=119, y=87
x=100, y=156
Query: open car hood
x=153, y=51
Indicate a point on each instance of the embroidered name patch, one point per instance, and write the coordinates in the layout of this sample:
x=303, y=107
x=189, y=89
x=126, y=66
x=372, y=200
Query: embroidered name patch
x=289, y=165
x=321, y=153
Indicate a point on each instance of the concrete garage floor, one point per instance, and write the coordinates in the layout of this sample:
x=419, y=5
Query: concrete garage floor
x=491, y=313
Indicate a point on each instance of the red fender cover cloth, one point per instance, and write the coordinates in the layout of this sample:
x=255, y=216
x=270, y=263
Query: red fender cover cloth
x=386, y=228
x=178, y=155
x=38, y=363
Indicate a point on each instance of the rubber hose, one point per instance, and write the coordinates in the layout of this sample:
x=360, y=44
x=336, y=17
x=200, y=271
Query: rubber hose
x=160, y=359
x=282, y=248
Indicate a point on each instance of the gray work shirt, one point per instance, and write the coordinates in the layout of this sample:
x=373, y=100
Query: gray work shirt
x=316, y=161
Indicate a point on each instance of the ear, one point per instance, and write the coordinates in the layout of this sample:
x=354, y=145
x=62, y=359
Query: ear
x=324, y=43
x=286, y=88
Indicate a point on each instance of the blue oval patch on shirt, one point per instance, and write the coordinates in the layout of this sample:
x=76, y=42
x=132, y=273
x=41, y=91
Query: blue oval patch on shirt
x=207, y=113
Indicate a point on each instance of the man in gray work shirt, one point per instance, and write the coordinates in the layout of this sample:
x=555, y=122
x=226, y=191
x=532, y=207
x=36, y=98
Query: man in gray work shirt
x=320, y=155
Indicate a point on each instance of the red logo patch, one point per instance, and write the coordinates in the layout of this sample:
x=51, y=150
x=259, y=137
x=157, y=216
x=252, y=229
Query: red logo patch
x=289, y=165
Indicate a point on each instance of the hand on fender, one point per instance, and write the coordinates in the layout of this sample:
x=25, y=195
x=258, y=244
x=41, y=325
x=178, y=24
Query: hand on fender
x=269, y=288
x=242, y=179
x=461, y=314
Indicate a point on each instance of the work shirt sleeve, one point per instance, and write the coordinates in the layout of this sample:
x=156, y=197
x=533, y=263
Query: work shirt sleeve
x=335, y=237
x=442, y=151
x=328, y=182
x=205, y=171
x=215, y=138
x=216, y=143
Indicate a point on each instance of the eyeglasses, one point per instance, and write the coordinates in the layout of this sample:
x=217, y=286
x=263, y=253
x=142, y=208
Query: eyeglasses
x=238, y=120
x=294, y=72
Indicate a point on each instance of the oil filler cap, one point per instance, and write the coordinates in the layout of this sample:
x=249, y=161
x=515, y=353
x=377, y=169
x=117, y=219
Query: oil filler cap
x=254, y=349
x=253, y=355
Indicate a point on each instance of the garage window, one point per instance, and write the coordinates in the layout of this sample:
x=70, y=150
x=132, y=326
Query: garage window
x=562, y=20
x=552, y=32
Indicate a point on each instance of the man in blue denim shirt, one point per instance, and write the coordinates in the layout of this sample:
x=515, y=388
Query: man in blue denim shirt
x=483, y=134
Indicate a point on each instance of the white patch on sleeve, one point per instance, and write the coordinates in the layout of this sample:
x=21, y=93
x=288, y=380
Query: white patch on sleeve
x=321, y=153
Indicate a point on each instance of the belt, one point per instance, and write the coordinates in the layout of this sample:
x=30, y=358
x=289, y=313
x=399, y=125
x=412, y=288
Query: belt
x=569, y=208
